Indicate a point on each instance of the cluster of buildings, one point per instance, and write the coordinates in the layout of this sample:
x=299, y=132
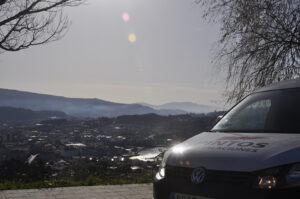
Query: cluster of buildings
x=60, y=143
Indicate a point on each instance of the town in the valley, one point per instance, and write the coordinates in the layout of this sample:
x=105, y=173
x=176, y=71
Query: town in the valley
x=125, y=146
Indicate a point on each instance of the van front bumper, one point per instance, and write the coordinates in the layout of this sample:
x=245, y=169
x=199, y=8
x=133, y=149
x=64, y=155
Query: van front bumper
x=163, y=189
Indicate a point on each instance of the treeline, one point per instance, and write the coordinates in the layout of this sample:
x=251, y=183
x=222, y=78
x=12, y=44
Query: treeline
x=20, y=115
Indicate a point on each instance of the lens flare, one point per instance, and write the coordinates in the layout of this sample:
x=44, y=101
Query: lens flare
x=132, y=38
x=125, y=17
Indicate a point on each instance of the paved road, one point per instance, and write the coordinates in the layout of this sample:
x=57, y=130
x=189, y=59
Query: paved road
x=134, y=191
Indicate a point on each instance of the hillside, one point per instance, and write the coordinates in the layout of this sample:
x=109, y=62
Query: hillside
x=76, y=107
x=14, y=115
x=184, y=106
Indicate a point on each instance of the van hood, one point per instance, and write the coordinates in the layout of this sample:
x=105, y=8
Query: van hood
x=236, y=151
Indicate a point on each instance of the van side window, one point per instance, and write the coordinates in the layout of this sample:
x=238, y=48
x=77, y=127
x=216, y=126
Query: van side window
x=284, y=114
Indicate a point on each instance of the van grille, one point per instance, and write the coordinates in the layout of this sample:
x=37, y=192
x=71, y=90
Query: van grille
x=213, y=176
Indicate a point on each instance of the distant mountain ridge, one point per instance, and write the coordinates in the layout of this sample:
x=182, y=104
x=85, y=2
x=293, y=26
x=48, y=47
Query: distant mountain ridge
x=76, y=107
x=188, y=107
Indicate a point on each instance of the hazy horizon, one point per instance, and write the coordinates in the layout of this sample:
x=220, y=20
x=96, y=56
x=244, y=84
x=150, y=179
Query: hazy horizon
x=124, y=51
x=146, y=103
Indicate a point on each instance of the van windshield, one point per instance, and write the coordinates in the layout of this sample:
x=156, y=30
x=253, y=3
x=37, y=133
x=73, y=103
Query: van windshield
x=266, y=112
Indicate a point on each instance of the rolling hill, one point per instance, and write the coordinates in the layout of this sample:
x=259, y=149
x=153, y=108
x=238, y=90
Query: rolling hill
x=76, y=107
x=188, y=107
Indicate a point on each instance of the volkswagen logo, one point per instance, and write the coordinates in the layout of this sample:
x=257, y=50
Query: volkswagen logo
x=198, y=175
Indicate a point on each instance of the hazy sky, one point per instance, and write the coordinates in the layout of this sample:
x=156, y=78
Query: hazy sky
x=168, y=58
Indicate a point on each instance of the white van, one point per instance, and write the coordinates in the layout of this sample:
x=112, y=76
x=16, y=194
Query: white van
x=252, y=152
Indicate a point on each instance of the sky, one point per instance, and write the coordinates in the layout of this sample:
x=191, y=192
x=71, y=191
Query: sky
x=128, y=51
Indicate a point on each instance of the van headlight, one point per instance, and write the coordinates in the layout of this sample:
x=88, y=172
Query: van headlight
x=267, y=182
x=280, y=177
x=161, y=174
x=162, y=169
x=268, y=179
x=293, y=176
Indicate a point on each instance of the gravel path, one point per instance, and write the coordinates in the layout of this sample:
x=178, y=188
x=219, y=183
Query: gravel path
x=133, y=191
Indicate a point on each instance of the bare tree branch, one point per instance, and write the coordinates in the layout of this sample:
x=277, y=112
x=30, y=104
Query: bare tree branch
x=25, y=23
x=2, y=2
x=260, y=42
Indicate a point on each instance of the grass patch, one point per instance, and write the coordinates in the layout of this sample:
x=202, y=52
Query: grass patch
x=68, y=182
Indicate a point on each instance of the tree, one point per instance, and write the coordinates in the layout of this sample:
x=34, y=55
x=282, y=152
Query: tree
x=25, y=23
x=260, y=42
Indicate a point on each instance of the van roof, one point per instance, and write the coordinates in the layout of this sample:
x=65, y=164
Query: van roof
x=295, y=83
